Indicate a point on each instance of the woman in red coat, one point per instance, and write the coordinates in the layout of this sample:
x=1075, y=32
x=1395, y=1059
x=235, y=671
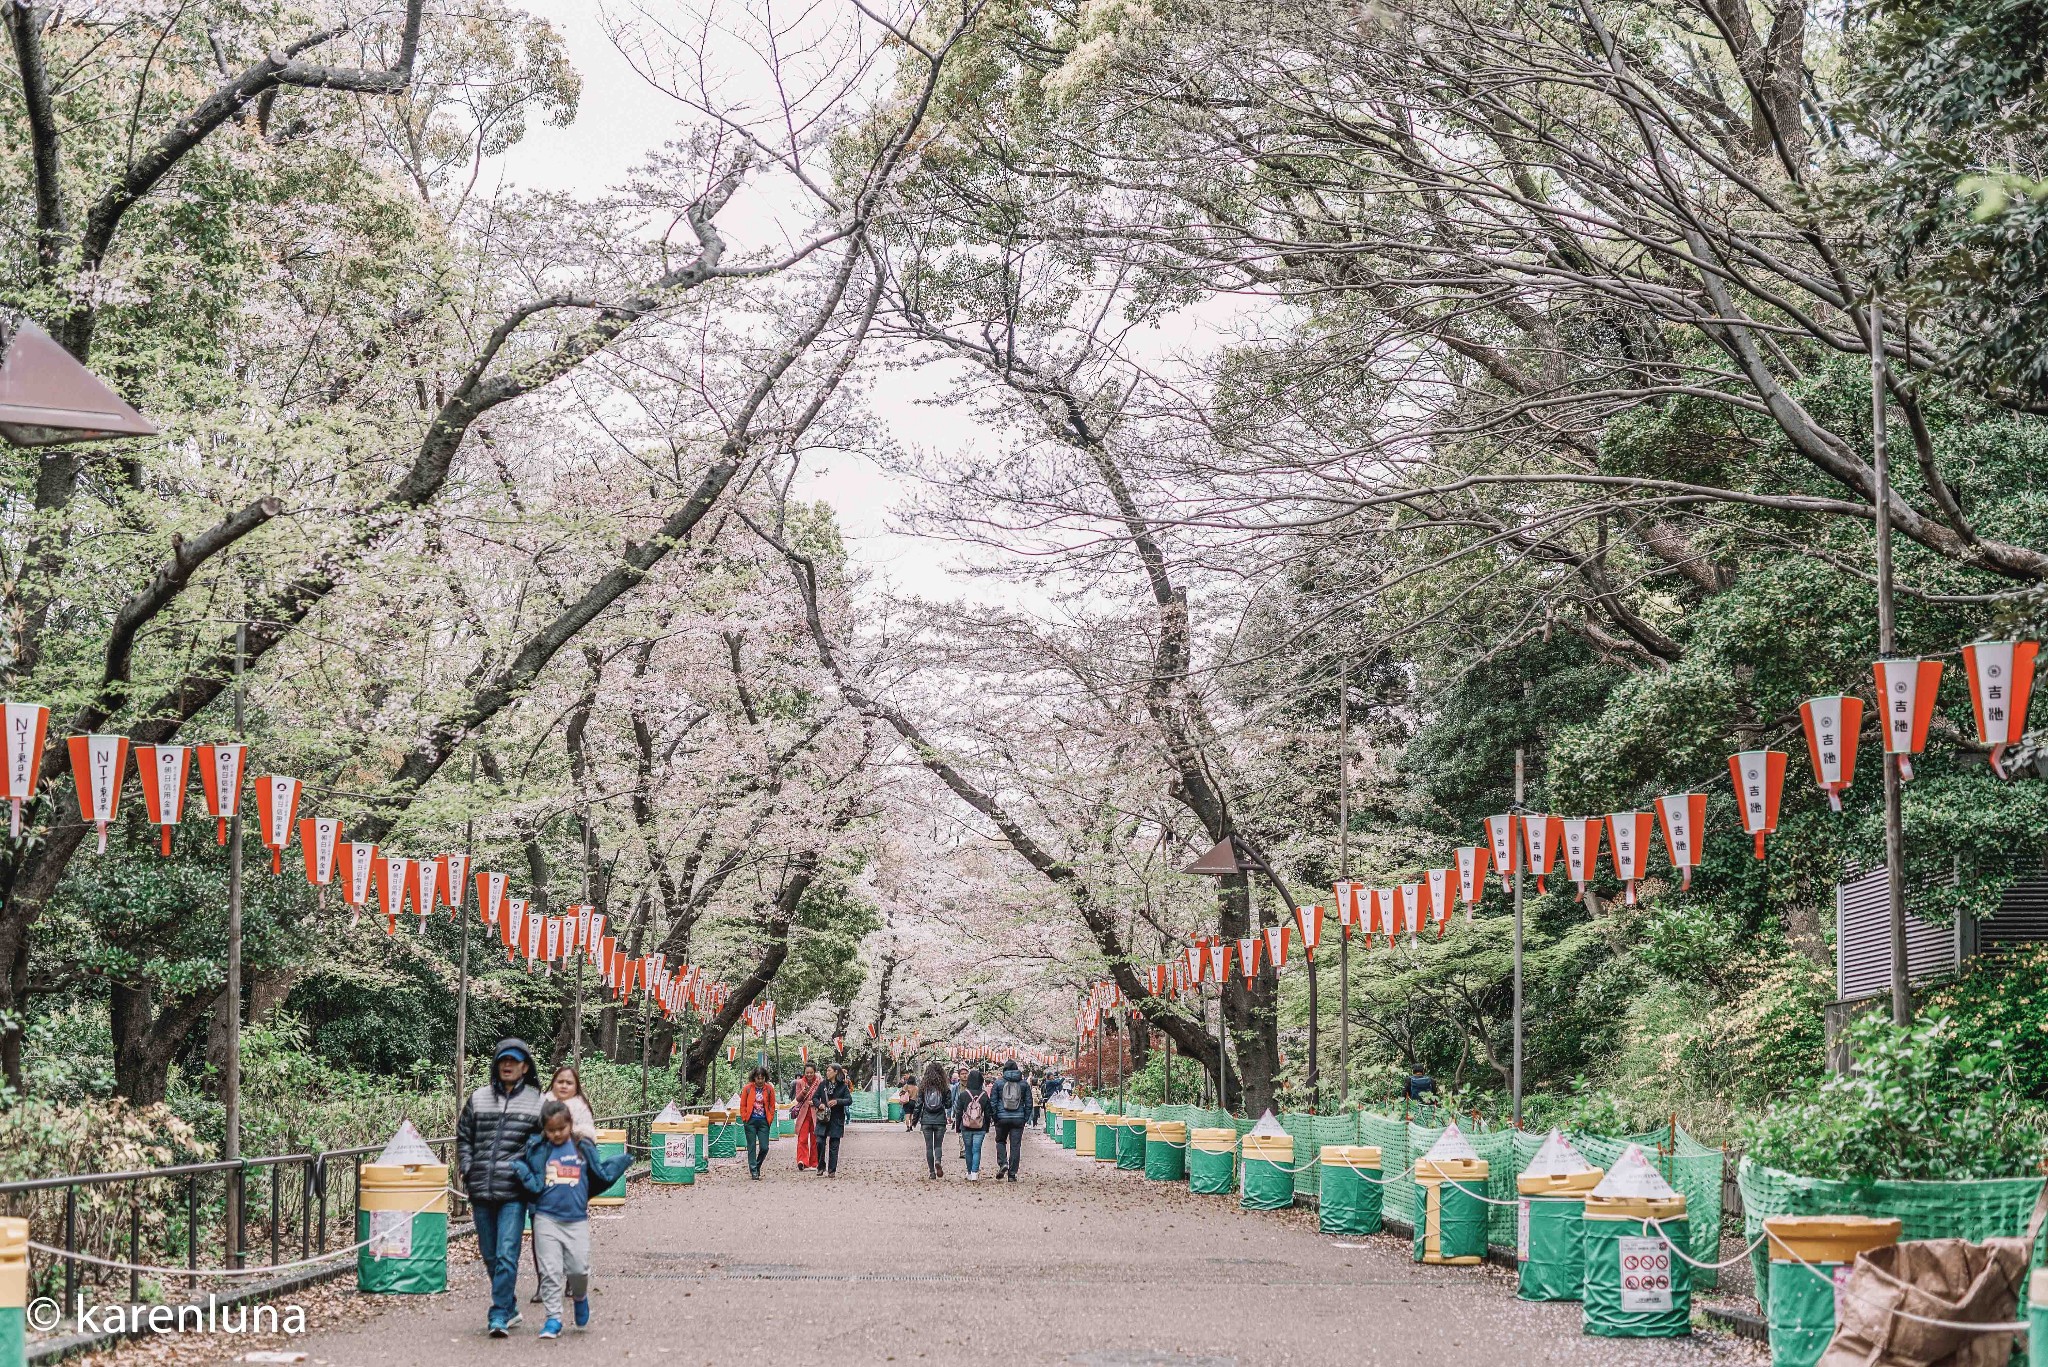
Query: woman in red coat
x=805, y=1115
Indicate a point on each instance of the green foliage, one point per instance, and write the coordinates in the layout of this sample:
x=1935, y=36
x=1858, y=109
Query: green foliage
x=1930, y=1101
x=1999, y=1005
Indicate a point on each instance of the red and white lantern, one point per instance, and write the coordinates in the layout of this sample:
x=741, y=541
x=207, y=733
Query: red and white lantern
x=1581, y=836
x=422, y=875
x=1759, y=777
x=490, y=896
x=98, y=764
x=319, y=838
x=393, y=873
x=1906, y=691
x=28, y=729
x=1350, y=900
x=1248, y=957
x=277, y=801
x=166, y=772
x=1471, y=877
x=1684, y=819
x=1440, y=886
x=356, y=865
x=512, y=925
x=1832, y=725
x=1628, y=840
x=1501, y=838
x=1219, y=961
x=1276, y=945
x=1407, y=910
x=451, y=882
x=1382, y=914
x=1310, y=922
x=220, y=781
x=1539, y=845
x=2001, y=676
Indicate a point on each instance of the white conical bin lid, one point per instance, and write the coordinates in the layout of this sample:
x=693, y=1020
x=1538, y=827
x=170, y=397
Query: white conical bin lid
x=407, y=1149
x=1062, y=1097
x=1632, y=1175
x=1451, y=1144
x=669, y=1115
x=1092, y=1108
x=1269, y=1126
x=734, y=1104
x=1557, y=1158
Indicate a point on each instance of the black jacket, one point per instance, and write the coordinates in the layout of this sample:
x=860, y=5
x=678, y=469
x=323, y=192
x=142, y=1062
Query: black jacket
x=829, y=1107
x=933, y=1118
x=1021, y=1116
x=496, y=1123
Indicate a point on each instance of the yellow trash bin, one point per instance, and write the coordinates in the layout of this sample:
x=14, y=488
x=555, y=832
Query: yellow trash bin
x=1349, y=1190
x=402, y=1223
x=1800, y=1306
x=1268, y=1172
x=1450, y=1221
x=1212, y=1161
x=674, y=1152
x=1084, y=1135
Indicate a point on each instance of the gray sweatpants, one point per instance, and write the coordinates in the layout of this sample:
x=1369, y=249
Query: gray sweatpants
x=563, y=1247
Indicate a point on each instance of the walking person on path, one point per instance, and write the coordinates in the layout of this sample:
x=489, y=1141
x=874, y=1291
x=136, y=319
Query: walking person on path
x=490, y=1136
x=567, y=1087
x=971, y=1118
x=757, y=1112
x=906, y=1097
x=934, y=1108
x=834, y=1101
x=803, y=1110
x=1013, y=1116
x=560, y=1169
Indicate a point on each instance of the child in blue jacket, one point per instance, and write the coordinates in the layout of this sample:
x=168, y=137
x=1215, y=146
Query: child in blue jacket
x=562, y=1172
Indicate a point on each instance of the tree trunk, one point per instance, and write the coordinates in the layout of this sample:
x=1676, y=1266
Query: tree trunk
x=146, y=1039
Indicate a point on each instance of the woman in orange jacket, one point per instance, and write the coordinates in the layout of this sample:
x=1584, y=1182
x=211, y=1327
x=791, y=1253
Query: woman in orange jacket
x=757, y=1116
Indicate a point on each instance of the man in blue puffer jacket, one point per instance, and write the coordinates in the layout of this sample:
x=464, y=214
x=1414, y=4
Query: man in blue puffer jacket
x=490, y=1136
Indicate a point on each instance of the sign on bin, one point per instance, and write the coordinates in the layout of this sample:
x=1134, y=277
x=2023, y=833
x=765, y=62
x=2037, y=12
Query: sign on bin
x=391, y=1233
x=1645, y=1275
x=677, y=1150
x=1522, y=1230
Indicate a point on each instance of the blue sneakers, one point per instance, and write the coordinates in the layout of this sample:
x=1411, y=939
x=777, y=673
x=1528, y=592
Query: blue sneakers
x=498, y=1329
x=552, y=1329
x=583, y=1314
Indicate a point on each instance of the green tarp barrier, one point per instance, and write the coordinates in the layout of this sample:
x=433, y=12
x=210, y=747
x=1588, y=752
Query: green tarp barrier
x=1211, y=1174
x=1553, y=1265
x=2037, y=1331
x=1165, y=1162
x=702, y=1142
x=1460, y=1222
x=609, y=1149
x=1350, y=1200
x=866, y=1106
x=419, y=1270
x=680, y=1172
x=1993, y=1208
x=783, y=1128
x=1801, y=1312
x=1130, y=1148
x=1267, y=1185
x=725, y=1139
x=1635, y=1288
x=1105, y=1142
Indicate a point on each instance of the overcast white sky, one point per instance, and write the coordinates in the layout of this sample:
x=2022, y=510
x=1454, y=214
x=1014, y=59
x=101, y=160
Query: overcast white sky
x=621, y=118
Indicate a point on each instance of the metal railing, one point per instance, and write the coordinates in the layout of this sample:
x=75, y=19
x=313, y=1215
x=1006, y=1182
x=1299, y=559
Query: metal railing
x=161, y=1218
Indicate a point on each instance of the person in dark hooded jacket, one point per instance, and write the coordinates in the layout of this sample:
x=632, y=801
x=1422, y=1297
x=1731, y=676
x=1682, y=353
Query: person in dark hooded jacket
x=1012, y=1105
x=497, y=1122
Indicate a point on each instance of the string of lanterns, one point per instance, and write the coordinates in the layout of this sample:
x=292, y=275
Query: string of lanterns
x=2000, y=675
x=368, y=876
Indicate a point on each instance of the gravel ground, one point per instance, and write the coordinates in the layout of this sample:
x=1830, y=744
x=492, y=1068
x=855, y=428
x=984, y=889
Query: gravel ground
x=1073, y=1264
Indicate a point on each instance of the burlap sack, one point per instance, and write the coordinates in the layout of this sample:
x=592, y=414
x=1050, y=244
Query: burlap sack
x=1935, y=1279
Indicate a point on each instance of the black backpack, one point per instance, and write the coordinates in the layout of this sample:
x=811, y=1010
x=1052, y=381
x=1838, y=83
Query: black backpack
x=1015, y=1098
x=934, y=1101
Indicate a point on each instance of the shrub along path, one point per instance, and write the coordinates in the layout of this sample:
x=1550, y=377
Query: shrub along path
x=1072, y=1264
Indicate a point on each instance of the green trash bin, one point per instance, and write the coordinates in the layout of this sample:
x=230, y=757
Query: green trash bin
x=1106, y=1127
x=1212, y=1161
x=1349, y=1194
x=402, y=1224
x=1636, y=1288
x=611, y=1144
x=1801, y=1303
x=13, y=1291
x=2037, y=1319
x=1268, y=1172
x=1130, y=1145
x=674, y=1155
x=896, y=1112
x=1166, y=1151
x=723, y=1138
x=1550, y=1234
x=783, y=1128
x=1068, y=1126
x=1450, y=1217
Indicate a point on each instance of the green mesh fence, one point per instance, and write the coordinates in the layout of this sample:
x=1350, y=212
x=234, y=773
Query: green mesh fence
x=866, y=1106
x=1692, y=1169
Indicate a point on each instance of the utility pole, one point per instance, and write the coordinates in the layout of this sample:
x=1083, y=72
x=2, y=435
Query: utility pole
x=1344, y=877
x=461, y=902
x=1887, y=643
x=1520, y=760
x=231, y=1084
x=576, y=1019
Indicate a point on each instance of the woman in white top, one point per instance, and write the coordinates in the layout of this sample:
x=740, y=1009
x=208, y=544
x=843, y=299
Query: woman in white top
x=567, y=1088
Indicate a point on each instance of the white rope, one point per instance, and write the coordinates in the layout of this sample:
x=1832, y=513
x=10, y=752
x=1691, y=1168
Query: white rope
x=1454, y=1182
x=1996, y=1327
x=1690, y=1261
x=1364, y=1173
x=315, y=1260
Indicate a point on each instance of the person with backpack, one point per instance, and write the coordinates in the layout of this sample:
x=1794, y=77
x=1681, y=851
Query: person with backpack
x=1013, y=1115
x=971, y=1117
x=560, y=1170
x=757, y=1114
x=934, y=1106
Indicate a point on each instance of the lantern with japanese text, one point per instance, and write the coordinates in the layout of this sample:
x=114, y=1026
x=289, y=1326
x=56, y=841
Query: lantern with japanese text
x=392, y=876
x=451, y=882
x=2001, y=676
x=1501, y=839
x=1310, y=921
x=1832, y=724
x=28, y=729
x=490, y=896
x=319, y=839
x=1248, y=957
x=1906, y=691
x=220, y=782
x=1581, y=839
x=356, y=866
x=1628, y=841
x=277, y=802
x=98, y=764
x=1684, y=819
x=165, y=771
x=1759, y=776
x=1276, y=946
x=1471, y=876
x=1440, y=887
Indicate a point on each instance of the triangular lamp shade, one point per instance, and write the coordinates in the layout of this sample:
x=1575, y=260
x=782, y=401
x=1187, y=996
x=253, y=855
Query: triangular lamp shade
x=1221, y=861
x=47, y=397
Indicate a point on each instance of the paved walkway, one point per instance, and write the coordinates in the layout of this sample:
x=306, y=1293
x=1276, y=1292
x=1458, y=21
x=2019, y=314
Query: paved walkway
x=1072, y=1265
